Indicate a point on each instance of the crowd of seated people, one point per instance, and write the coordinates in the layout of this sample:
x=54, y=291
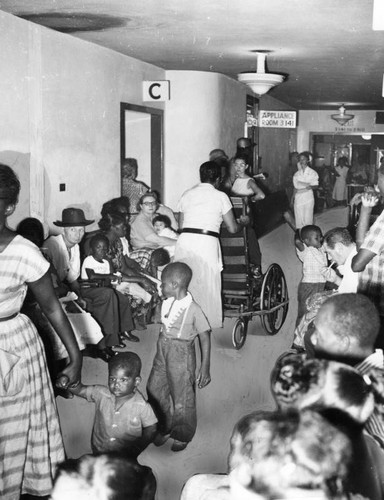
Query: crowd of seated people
x=325, y=440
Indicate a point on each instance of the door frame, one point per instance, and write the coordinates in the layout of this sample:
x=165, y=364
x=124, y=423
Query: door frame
x=157, y=143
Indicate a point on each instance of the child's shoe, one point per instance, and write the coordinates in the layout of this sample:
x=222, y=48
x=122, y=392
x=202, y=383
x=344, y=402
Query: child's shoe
x=161, y=439
x=178, y=445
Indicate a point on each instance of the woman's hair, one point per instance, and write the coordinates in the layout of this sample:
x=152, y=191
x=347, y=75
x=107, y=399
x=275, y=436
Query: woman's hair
x=9, y=184
x=210, y=172
x=32, y=229
x=275, y=451
x=148, y=194
x=107, y=477
x=98, y=237
x=241, y=156
x=129, y=361
x=318, y=383
x=162, y=218
x=111, y=219
x=115, y=205
x=343, y=161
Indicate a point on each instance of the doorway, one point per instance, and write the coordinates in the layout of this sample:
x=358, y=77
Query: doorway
x=141, y=137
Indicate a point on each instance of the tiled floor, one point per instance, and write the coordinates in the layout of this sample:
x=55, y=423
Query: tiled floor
x=240, y=380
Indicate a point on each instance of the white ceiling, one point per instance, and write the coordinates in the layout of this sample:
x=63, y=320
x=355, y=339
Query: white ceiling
x=326, y=47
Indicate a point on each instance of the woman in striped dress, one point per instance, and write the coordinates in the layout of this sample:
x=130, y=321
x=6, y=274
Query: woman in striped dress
x=30, y=438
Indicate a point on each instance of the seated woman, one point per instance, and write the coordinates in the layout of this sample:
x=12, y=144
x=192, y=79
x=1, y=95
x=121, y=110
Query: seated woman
x=143, y=234
x=113, y=226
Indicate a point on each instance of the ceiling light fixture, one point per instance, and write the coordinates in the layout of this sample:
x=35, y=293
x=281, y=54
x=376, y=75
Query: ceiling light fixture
x=342, y=117
x=367, y=137
x=260, y=82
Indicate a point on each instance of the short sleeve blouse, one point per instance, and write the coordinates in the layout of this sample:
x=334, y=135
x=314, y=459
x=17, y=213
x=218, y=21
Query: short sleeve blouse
x=203, y=207
x=21, y=262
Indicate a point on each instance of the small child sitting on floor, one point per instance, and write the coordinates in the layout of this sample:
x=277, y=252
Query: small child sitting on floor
x=171, y=384
x=124, y=421
x=162, y=226
x=308, y=242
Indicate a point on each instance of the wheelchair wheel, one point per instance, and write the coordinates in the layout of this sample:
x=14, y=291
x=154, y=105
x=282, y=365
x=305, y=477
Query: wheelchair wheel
x=274, y=291
x=239, y=332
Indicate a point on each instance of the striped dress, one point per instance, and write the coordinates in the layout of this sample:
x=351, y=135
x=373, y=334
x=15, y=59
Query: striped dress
x=30, y=438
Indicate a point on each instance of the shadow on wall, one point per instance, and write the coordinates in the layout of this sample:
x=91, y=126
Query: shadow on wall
x=20, y=163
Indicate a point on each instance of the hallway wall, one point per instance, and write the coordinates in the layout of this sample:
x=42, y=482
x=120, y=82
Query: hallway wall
x=206, y=111
x=62, y=106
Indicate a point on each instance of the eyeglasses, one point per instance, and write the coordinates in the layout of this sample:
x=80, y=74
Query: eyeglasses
x=149, y=203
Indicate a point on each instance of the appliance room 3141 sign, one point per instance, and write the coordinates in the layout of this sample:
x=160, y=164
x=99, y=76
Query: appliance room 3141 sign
x=277, y=119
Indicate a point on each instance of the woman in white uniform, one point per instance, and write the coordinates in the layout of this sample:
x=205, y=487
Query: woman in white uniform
x=202, y=210
x=304, y=181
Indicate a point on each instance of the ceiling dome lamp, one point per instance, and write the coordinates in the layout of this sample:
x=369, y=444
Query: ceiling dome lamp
x=342, y=117
x=260, y=82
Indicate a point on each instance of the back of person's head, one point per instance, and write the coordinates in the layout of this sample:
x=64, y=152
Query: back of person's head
x=309, y=230
x=338, y=235
x=342, y=161
x=354, y=318
x=217, y=154
x=179, y=272
x=162, y=218
x=241, y=156
x=103, y=477
x=9, y=184
x=209, y=172
x=160, y=257
x=111, y=219
x=116, y=205
x=129, y=361
x=130, y=163
x=32, y=229
x=299, y=382
x=274, y=452
x=96, y=239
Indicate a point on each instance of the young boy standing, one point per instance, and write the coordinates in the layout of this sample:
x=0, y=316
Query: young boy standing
x=171, y=384
x=124, y=421
x=308, y=242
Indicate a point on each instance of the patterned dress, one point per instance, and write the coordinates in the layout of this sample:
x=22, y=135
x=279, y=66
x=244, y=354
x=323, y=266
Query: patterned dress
x=30, y=438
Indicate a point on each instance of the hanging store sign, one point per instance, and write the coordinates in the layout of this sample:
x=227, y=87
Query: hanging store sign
x=277, y=119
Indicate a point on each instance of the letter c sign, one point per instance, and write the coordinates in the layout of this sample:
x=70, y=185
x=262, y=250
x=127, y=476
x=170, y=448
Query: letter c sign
x=156, y=91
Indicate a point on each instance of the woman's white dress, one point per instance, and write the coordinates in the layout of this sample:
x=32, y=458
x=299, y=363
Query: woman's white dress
x=340, y=187
x=203, y=207
x=304, y=201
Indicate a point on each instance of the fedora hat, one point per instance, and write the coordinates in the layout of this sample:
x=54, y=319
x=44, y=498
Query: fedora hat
x=73, y=217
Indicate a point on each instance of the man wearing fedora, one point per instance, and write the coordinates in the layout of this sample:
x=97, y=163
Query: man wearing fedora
x=111, y=309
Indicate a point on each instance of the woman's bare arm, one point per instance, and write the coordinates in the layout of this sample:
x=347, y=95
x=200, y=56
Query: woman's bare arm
x=45, y=296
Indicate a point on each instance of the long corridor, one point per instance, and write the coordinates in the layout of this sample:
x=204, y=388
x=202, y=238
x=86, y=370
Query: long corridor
x=240, y=380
